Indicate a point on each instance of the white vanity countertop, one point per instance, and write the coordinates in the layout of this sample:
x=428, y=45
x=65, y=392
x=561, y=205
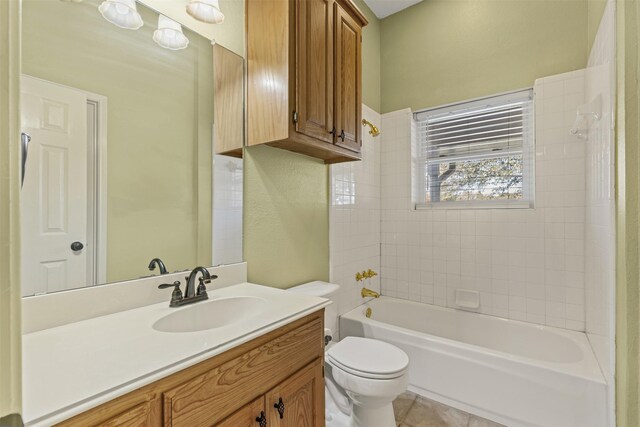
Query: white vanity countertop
x=72, y=368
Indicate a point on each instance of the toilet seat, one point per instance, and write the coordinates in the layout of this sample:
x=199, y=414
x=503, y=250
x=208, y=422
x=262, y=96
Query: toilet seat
x=368, y=358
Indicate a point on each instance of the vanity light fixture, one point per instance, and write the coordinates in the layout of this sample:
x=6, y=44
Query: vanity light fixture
x=206, y=11
x=122, y=13
x=169, y=34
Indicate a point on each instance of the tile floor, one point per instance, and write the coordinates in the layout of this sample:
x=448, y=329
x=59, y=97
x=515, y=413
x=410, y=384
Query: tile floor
x=412, y=410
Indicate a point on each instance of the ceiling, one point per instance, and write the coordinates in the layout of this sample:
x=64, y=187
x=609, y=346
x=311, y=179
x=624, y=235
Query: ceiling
x=384, y=8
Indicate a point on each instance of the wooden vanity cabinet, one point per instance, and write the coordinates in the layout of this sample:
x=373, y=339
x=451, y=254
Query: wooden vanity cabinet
x=245, y=416
x=293, y=403
x=277, y=379
x=304, y=77
x=289, y=403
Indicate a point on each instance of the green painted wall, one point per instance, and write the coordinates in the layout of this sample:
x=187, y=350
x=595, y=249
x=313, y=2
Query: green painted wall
x=628, y=215
x=441, y=51
x=286, y=218
x=160, y=116
x=595, y=10
x=370, y=58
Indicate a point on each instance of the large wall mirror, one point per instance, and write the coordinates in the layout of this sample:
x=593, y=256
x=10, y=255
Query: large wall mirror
x=118, y=133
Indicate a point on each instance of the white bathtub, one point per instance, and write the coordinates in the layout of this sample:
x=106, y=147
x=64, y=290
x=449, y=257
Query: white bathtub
x=514, y=373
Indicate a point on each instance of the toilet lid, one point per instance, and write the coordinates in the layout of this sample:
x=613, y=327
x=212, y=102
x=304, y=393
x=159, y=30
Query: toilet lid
x=368, y=358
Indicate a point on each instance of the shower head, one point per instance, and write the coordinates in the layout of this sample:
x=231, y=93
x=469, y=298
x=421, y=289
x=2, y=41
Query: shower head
x=374, y=131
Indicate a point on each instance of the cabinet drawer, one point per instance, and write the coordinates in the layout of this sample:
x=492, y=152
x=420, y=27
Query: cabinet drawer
x=133, y=417
x=209, y=398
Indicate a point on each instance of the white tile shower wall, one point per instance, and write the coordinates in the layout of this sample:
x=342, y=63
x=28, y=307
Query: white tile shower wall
x=600, y=199
x=227, y=210
x=354, y=219
x=526, y=264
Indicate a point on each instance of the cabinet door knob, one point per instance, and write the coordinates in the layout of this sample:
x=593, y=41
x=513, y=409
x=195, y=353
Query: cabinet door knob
x=342, y=136
x=262, y=420
x=280, y=407
x=333, y=131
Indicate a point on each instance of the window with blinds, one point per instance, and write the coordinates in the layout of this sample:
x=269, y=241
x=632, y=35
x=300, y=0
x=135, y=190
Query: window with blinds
x=476, y=153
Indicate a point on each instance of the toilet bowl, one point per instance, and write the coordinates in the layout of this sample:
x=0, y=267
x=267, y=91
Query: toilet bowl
x=362, y=376
x=372, y=373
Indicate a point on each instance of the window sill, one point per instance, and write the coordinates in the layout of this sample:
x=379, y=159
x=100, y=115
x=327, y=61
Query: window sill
x=477, y=205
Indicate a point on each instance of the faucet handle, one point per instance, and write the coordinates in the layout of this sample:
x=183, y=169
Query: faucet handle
x=202, y=289
x=175, y=284
x=176, y=295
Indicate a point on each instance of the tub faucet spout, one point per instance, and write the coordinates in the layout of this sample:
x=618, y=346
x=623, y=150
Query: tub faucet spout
x=369, y=293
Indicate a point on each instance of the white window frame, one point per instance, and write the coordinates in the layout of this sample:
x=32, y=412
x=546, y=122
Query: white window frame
x=528, y=156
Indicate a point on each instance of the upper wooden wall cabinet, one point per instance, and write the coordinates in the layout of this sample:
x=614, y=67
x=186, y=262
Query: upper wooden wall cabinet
x=304, y=77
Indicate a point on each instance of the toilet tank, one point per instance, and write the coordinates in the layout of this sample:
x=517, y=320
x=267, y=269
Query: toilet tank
x=330, y=291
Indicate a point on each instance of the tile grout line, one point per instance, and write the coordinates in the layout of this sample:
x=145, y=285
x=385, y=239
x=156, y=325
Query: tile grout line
x=415, y=399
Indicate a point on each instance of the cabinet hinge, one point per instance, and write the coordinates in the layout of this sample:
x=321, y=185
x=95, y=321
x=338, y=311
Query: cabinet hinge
x=295, y=117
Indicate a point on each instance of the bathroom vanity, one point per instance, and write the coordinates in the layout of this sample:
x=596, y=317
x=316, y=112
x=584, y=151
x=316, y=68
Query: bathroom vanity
x=259, y=361
x=278, y=373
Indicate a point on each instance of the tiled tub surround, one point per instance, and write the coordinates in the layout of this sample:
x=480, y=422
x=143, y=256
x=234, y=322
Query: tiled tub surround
x=526, y=264
x=355, y=219
x=600, y=202
x=227, y=210
x=550, y=265
x=511, y=372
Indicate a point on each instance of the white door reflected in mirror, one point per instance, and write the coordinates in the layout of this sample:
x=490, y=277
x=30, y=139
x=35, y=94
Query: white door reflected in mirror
x=54, y=193
x=162, y=186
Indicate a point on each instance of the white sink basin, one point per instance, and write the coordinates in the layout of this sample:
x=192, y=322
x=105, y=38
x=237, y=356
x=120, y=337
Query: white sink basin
x=211, y=314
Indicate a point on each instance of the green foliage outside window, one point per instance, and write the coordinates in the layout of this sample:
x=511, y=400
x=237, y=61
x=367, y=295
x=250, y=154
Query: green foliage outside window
x=498, y=178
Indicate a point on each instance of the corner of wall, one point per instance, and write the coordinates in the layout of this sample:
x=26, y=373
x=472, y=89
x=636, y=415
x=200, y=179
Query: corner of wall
x=595, y=11
x=354, y=215
x=10, y=303
x=371, y=82
x=627, y=214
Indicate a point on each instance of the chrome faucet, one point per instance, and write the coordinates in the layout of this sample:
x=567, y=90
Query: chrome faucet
x=158, y=262
x=191, y=294
x=369, y=293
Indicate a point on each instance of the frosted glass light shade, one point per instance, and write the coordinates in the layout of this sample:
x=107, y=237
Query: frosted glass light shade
x=169, y=34
x=206, y=11
x=122, y=13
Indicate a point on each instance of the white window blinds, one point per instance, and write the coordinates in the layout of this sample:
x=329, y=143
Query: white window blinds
x=476, y=152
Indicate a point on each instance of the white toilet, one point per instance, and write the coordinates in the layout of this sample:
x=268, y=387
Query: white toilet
x=362, y=376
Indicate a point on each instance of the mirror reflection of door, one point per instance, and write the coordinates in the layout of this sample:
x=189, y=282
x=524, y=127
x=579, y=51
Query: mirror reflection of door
x=160, y=169
x=60, y=200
